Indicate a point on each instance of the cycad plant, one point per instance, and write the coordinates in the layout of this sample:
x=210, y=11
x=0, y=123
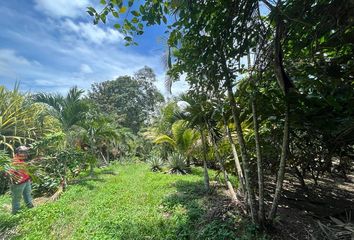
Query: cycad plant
x=156, y=163
x=177, y=164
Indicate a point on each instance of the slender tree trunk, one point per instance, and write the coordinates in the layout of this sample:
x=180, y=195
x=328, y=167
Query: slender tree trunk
x=245, y=160
x=91, y=170
x=261, y=211
x=281, y=171
x=300, y=177
x=235, y=155
x=103, y=158
x=226, y=176
x=286, y=85
x=206, y=175
x=64, y=178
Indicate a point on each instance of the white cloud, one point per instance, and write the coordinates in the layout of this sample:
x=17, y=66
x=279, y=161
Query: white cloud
x=69, y=53
x=92, y=33
x=9, y=59
x=9, y=56
x=85, y=69
x=62, y=8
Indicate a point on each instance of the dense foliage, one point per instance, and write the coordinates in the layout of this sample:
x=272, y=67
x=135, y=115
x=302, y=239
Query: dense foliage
x=132, y=99
x=280, y=74
x=271, y=97
x=67, y=134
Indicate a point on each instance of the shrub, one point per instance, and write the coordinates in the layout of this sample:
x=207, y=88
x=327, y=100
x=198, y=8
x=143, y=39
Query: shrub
x=52, y=170
x=176, y=163
x=155, y=163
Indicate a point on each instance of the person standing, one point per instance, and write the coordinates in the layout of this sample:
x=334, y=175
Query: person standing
x=20, y=180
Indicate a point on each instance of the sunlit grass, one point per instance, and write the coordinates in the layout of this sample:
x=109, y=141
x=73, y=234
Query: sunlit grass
x=122, y=202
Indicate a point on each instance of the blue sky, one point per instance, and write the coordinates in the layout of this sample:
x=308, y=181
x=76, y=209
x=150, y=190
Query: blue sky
x=52, y=45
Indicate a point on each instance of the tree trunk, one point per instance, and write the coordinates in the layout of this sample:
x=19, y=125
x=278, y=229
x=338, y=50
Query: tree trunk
x=206, y=175
x=104, y=159
x=226, y=176
x=286, y=85
x=281, y=171
x=64, y=182
x=261, y=212
x=235, y=155
x=91, y=169
x=245, y=160
x=300, y=177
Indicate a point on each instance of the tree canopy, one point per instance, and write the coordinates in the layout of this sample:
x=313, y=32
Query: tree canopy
x=132, y=99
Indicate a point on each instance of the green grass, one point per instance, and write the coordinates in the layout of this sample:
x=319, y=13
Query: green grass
x=124, y=202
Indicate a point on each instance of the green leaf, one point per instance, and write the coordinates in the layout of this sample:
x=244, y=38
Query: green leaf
x=103, y=2
x=123, y=9
x=135, y=13
x=135, y=20
x=142, y=9
x=91, y=13
x=115, y=14
x=117, y=26
x=127, y=38
x=103, y=18
x=165, y=139
x=91, y=9
x=130, y=3
x=127, y=26
x=164, y=19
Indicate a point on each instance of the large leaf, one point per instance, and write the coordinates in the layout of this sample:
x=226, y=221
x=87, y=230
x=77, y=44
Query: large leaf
x=165, y=139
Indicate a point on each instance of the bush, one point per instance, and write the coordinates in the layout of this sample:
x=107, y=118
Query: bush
x=155, y=163
x=50, y=171
x=177, y=164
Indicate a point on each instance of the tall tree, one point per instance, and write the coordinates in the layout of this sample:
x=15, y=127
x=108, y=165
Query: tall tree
x=132, y=99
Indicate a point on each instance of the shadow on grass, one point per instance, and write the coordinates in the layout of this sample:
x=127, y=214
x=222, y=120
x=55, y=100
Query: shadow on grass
x=8, y=225
x=203, y=215
x=109, y=172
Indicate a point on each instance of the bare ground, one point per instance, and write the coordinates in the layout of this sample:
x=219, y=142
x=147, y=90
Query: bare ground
x=325, y=211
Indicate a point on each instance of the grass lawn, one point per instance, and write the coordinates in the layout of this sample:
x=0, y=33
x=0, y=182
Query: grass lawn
x=126, y=202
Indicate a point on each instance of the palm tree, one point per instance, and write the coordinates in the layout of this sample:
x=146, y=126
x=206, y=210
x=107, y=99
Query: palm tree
x=69, y=110
x=182, y=139
x=99, y=133
x=196, y=112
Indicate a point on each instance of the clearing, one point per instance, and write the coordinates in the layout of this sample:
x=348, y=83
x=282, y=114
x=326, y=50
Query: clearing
x=129, y=202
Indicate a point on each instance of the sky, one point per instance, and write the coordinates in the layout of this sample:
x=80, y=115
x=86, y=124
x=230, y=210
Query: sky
x=52, y=45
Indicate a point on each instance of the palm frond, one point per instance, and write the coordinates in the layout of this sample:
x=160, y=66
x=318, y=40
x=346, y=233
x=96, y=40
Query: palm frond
x=165, y=139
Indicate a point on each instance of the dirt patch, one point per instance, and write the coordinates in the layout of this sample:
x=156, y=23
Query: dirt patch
x=309, y=214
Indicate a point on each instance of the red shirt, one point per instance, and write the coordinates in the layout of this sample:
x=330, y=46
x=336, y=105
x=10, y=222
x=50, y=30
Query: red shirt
x=21, y=174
